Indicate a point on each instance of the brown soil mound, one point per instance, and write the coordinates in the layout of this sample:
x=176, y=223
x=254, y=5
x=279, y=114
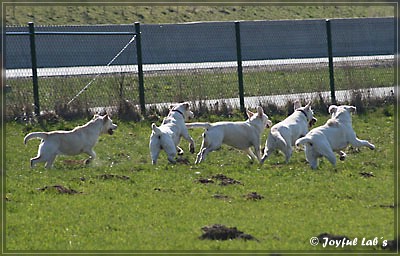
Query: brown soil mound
x=221, y=232
x=60, y=189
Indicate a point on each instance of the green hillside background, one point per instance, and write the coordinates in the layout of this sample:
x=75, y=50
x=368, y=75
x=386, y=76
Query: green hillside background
x=16, y=15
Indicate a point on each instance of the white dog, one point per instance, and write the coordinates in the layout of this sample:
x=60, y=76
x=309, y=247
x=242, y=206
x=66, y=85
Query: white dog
x=336, y=134
x=241, y=135
x=283, y=135
x=80, y=140
x=169, y=134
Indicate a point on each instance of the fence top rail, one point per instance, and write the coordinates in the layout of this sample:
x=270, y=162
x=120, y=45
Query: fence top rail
x=78, y=33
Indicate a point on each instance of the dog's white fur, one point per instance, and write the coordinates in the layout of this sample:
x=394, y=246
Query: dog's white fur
x=335, y=135
x=241, y=135
x=169, y=134
x=283, y=135
x=81, y=139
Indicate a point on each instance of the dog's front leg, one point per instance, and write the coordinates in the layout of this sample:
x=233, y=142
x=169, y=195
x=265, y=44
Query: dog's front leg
x=311, y=156
x=187, y=137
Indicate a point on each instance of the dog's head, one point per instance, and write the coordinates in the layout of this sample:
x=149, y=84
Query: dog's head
x=307, y=111
x=183, y=109
x=260, y=116
x=341, y=113
x=108, y=125
x=160, y=141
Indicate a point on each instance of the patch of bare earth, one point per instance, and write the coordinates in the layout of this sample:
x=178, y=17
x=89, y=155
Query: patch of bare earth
x=60, y=189
x=221, y=232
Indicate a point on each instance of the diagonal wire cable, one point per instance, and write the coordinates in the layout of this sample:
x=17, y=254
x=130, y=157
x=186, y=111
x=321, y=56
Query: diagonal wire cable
x=108, y=64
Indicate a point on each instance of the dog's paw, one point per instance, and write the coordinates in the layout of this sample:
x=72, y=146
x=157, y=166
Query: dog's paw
x=372, y=147
x=191, y=149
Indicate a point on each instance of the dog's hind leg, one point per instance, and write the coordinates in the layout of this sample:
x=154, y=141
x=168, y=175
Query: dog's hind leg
x=35, y=160
x=179, y=150
x=288, y=153
x=201, y=156
x=359, y=143
x=251, y=155
x=50, y=161
x=92, y=156
x=267, y=153
x=342, y=155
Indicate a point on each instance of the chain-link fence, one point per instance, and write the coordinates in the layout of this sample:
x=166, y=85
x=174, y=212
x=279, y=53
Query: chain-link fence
x=198, y=62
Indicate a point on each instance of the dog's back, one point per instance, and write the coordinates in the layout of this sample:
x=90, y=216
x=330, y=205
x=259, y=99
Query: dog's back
x=240, y=135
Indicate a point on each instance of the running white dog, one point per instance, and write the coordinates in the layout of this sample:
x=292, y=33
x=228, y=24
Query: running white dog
x=336, y=134
x=169, y=134
x=283, y=135
x=241, y=135
x=81, y=139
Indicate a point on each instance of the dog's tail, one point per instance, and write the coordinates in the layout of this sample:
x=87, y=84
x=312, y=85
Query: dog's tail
x=198, y=125
x=41, y=135
x=279, y=138
x=303, y=141
x=155, y=129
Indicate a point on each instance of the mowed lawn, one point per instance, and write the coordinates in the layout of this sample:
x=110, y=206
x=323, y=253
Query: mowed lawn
x=123, y=203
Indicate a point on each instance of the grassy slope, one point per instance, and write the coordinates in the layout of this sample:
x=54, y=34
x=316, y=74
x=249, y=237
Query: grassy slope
x=80, y=15
x=163, y=207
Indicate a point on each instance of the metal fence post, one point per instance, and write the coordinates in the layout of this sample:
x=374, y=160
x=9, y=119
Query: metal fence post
x=240, y=67
x=34, y=69
x=330, y=57
x=140, y=68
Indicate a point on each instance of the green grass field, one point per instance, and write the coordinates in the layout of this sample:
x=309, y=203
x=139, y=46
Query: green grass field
x=164, y=207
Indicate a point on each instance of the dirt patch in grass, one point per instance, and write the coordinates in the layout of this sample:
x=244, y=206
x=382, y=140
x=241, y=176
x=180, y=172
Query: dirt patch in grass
x=223, y=180
x=221, y=196
x=72, y=162
x=112, y=176
x=60, y=189
x=183, y=161
x=253, y=196
x=204, y=180
x=367, y=174
x=221, y=232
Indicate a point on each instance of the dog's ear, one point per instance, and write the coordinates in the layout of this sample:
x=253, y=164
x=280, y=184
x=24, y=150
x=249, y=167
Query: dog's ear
x=296, y=104
x=249, y=113
x=308, y=105
x=352, y=109
x=260, y=111
x=106, y=117
x=186, y=104
x=332, y=109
